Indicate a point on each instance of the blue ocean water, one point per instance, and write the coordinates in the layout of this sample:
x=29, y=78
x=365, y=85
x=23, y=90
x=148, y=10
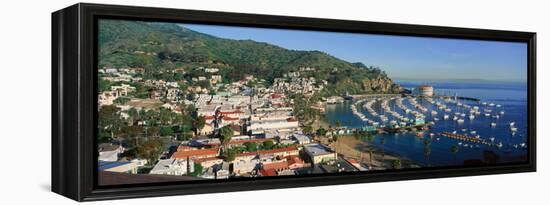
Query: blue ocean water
x=511, y=96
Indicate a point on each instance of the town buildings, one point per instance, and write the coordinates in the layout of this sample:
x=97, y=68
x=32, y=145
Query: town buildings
x=268, y=138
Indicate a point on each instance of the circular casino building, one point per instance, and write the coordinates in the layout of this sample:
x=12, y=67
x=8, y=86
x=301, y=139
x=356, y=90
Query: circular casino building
x=424, y=90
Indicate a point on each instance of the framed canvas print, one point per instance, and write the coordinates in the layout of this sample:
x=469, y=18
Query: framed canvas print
x=155, y=101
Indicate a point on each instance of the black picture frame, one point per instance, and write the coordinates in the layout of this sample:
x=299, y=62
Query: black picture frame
x=74, y=99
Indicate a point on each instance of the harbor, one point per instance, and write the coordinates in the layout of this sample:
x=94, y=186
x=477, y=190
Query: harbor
x=405, y=121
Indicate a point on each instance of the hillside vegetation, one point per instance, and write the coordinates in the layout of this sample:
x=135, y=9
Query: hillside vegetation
x=165, y=46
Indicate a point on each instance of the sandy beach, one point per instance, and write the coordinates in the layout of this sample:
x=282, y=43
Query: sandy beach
x=350, y=147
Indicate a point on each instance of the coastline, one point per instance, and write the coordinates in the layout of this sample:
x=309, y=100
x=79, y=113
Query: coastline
x=353, y=148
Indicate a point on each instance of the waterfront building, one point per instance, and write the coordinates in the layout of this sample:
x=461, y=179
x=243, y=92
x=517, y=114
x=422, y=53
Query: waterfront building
x=424, y=90
x=319, y=153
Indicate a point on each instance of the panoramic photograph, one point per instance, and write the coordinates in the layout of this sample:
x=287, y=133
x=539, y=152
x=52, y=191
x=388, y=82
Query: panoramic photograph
x=187, y=102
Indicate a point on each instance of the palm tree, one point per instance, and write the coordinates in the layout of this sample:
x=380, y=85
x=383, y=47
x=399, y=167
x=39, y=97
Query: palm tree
x=427, y=150
x=336, y=141
x=134, y=114
x=225, y=134
x=370, y=138
x=198, y=124
x=382, y=142
x=454, y=150
x=396, y=164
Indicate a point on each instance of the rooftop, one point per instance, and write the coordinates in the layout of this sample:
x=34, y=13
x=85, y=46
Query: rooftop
x=103, y=165
x=316, y=149
x=275, y=165
x=194, y=153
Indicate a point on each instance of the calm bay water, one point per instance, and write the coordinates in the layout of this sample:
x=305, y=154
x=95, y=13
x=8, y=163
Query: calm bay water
x=512, y=97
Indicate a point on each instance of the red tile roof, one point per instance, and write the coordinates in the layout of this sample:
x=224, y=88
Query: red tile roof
x=195, y=153
x=281, y=165
x=291, y=119
x=185, y=148
x=240, y=141
x=231, y=112
x=227, y=118
x=273, y=151
x=201, y=160
x=268, y=173
x=276, y=95
x=291, y=160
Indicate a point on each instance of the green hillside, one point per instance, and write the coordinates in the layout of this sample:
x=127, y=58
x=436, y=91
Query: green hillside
x=165, y=46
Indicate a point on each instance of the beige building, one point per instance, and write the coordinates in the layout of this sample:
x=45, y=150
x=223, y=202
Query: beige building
x=118, y=166
x=319, y=153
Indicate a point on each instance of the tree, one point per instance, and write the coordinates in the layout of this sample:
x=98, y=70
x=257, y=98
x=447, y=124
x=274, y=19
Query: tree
x=321, y=132
x=104, y=85
x=368, y=139
x=336, y=140
x=153, y=131
x=267, y=145
x=198, y=123
x=427, y=150
x=134, y=114
x=225, y=134
x=229, y=155
x=250, y=146
x=166, y=131
x=396, y=164
x=382, y=142
x=165, y=116
x=197, y=169
x=308, y=129
x=121, y=100
x=150, y=149
x=131, y=131
x=109, y=119
x=454, y=150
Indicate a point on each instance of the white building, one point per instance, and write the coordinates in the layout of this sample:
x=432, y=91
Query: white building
x=109, y=152
x=244, y=166
x=262, y=125
x=172, y=167
x=122, y=90
x=118, y=166
x=105, y=98
x=301, y=139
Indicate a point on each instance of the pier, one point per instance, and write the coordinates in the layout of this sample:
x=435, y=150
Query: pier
x=469, y=139
x=406, y=128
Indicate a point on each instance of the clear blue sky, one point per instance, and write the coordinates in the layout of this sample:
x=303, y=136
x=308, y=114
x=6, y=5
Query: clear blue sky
x=401, y=57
